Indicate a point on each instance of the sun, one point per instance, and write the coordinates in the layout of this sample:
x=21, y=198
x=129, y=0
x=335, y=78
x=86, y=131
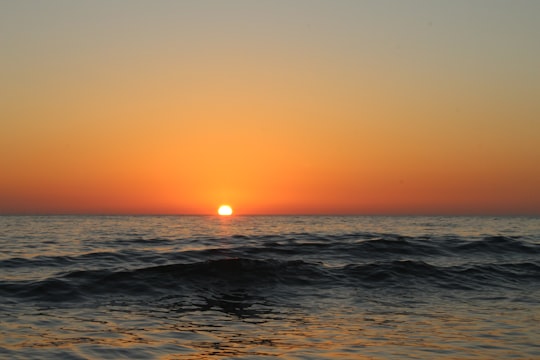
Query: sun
x=225, y=210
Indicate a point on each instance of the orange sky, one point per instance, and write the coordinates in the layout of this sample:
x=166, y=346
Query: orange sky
x=310, y=107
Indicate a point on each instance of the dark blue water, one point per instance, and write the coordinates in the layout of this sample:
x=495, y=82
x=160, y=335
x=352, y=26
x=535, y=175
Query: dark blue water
x=265, y=287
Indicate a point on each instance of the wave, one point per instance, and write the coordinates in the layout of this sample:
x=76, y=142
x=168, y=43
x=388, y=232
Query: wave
x=355, y=245
x=267, y=275
x=497, y=245
x=362, y=244
x=406, y=273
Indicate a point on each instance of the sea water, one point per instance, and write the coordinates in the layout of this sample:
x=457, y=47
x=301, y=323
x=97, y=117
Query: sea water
x=263, y=287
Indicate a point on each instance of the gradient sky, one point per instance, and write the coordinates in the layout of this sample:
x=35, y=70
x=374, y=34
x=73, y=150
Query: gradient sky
x=275, y=107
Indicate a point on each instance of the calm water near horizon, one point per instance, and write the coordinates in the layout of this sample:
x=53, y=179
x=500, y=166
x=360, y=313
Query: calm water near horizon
x=266, y=287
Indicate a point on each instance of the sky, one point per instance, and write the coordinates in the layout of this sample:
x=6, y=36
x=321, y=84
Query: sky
x=273, y=107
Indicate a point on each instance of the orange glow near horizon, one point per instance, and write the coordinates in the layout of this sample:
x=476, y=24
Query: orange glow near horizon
x=171, y=111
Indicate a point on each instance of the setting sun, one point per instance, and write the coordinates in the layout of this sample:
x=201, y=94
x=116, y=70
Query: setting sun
x=225, y=210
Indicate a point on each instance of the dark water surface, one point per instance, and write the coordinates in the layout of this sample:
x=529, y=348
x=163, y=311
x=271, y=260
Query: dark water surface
x=256, y=287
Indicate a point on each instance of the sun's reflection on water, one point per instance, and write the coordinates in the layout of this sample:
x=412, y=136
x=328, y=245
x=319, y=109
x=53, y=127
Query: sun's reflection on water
x=238, y=323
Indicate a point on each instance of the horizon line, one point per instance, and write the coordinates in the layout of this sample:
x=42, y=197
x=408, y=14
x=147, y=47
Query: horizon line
x=285, y=214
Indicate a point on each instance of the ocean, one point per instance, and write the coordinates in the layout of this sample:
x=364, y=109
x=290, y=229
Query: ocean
x=267, y=287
